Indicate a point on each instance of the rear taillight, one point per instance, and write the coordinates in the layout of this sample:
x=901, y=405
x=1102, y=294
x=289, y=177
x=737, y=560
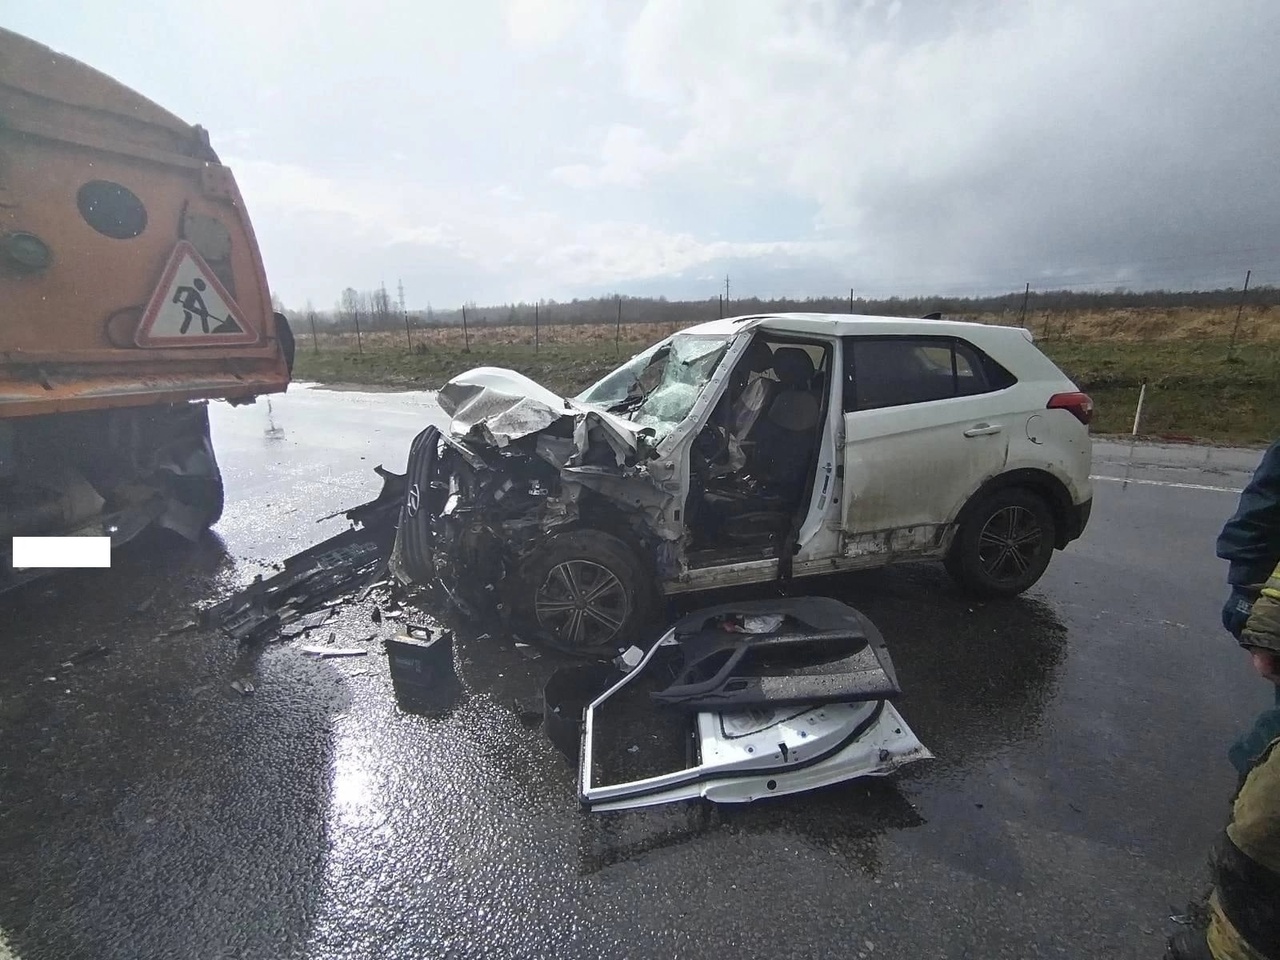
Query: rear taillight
x=1080, y=405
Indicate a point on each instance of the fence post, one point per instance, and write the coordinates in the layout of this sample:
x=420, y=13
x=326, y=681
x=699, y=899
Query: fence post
x=1133, y=434
x=466, y=337
x=315, y=343
x=1231, y=350
x=535, y=328
x=1025, y=294
x=720, y=297
x=617, y=330
x=407, y=338
x=359, y=343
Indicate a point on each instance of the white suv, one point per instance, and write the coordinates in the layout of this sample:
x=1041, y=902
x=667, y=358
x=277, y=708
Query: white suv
x=748, y=450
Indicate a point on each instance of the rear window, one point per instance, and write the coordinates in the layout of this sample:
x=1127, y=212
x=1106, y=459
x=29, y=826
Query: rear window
x=897, y=371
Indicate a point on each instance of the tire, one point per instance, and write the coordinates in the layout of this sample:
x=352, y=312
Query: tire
x=412, y=558
x=1004, y=543
x=555, y=588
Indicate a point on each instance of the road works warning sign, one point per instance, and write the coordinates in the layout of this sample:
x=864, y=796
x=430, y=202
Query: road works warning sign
x=190, y=308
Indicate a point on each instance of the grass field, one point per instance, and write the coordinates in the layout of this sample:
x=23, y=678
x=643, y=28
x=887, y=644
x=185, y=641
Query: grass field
x=1192, y=391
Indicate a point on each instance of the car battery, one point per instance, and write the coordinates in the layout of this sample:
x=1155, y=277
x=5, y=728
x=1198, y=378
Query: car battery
x=422, y=673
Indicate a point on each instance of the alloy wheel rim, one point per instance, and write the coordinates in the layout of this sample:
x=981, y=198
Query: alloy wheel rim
x=1009, y=543
x=581, y=602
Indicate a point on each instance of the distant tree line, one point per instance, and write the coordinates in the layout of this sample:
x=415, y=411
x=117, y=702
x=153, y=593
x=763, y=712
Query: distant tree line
x=375, y=310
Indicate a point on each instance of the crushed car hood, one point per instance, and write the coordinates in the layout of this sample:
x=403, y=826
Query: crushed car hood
x=496, y=406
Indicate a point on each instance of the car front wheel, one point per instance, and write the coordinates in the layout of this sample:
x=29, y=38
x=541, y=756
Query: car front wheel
x=1003, y=545
x=586, y=590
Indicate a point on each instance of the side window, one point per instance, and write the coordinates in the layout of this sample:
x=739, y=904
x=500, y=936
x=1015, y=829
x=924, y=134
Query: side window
x=896, y=371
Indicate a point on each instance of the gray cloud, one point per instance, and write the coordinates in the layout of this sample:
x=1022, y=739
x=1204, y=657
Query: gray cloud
x=553, y=148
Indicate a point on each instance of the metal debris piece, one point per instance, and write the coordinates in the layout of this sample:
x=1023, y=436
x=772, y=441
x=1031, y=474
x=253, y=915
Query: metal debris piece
x=242, y=687
x=326, y=653
x=92, y=653
x=527, y=651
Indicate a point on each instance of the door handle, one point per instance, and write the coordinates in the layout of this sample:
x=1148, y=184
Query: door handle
x=983, y=430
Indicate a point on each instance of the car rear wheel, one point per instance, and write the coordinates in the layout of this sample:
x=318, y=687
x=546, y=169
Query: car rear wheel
x=1004, y=544
x=586, y=590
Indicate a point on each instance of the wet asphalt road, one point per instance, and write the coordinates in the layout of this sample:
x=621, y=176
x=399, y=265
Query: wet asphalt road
x=148, y=810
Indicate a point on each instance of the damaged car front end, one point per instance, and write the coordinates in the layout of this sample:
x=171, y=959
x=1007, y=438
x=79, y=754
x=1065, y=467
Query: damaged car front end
x=561, y=515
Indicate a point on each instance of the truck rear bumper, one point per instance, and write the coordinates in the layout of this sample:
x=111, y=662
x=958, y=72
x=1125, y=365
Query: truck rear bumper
x=24, y=398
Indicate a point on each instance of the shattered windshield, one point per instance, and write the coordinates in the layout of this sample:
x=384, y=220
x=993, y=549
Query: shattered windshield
x=658, y=388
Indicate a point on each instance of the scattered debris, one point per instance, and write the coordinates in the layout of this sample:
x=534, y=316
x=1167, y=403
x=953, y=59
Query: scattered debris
x=316, y=576
x=766, y=623
x=529, y=652
x=629, y=659
x=310, y=622
x=92, y=653
x=325, y=653
x=242, y=687
x=634, y=748
x=184, y=627
x=364, y=594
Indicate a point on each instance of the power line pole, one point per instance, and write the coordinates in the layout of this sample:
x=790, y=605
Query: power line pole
x=1231, y=350
x=1025, y=294
x=726, y=288
x=408, y=339
x=851, y=299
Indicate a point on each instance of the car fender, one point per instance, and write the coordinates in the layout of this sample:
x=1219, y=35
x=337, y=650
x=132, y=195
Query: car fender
x=1045, y=478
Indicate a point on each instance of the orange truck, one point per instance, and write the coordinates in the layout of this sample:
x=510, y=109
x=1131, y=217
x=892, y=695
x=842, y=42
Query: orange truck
x=131, y=291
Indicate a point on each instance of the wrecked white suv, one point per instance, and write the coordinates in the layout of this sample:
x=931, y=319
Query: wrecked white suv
x=743, y=451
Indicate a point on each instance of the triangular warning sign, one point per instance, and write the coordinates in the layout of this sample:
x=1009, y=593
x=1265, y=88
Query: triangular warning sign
x=190, y=308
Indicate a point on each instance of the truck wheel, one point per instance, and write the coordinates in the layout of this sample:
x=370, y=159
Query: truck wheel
x=587, y=590
x=1003, y=545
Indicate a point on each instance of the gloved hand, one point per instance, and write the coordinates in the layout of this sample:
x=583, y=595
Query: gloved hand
x=1235, y=613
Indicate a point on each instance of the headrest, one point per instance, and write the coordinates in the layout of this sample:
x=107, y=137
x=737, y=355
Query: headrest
x=793, y=366
x=758, y=357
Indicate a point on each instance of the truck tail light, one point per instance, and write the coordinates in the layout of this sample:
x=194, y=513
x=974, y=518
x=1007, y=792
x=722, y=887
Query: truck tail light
x=1079, y=405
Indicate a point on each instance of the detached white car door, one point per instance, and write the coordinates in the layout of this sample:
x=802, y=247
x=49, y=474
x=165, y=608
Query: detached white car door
x=926, y=421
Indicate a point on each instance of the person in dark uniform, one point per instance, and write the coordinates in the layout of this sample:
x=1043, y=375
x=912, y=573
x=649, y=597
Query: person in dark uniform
x=1244, y=908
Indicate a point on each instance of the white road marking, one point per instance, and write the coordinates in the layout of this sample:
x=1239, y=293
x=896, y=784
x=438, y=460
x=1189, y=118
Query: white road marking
x=1170, y=483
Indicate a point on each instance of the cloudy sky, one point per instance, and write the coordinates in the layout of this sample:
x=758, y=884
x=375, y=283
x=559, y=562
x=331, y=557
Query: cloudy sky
x=517, y=149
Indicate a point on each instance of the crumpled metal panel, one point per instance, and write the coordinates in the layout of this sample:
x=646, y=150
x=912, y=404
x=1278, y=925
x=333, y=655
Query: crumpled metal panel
x=499, y=405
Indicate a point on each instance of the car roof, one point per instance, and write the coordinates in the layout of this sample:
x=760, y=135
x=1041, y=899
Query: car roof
x=851, y=324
